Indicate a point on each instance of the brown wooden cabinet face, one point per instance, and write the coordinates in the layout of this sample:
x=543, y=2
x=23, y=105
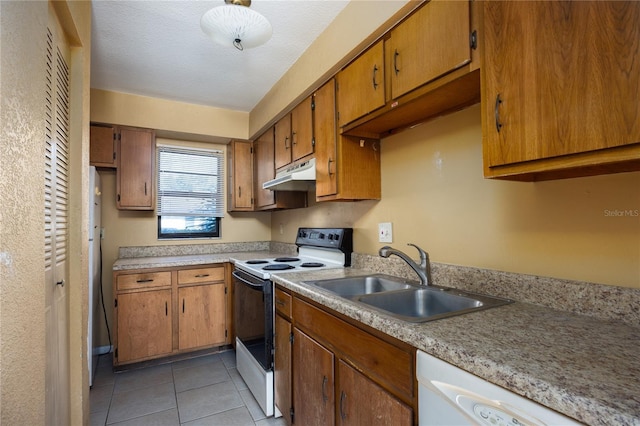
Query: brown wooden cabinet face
x=135, y=170
x=558, y=78
x=282, y=367
x=362, y=402
x=102, y=149
x=264, y=156
x=313, y=384
x=202, y=316
x=302, y=130
x=144, y=325
x=283, y=142
x=240, y=176
x=361, y=87
x=430, y=43
x=325, y=133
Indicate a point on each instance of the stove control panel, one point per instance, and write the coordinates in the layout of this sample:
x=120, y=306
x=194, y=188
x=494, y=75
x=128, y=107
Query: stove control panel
x=337, y=238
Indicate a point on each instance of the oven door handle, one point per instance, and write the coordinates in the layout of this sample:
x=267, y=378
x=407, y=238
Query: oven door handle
x=240, y=276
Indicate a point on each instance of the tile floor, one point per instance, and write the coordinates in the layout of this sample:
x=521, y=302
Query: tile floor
x=200, y=391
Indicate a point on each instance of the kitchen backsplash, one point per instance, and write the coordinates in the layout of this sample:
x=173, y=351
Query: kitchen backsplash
x=595, y=300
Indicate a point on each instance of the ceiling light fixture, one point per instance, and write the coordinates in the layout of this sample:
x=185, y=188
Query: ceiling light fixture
x=234, y=24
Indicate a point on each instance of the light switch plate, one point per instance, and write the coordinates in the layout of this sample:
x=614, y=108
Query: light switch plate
x=385, y=234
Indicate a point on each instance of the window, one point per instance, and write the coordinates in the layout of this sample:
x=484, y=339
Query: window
x=190, y=192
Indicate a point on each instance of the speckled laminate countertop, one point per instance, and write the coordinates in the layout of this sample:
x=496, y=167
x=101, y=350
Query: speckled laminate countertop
x=585, y=368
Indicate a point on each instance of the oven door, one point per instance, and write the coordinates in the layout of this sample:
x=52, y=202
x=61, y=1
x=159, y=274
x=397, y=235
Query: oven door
x=253, y=316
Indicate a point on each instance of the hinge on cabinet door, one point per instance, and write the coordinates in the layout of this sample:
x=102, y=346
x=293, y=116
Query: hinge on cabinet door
x=114, y=155
x=251, y=150
x=251, y=200
x=116, y=354
x=313, y=141
x=225, y=333
x=313, y=104
x=473, y=39
x=115, y=303
x=118, y=197
x=291, y=337
x=291, y=413
x=225, y=290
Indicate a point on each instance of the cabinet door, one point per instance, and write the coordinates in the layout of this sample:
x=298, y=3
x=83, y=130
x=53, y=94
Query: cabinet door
x=102, y=149
x=362, y=402
x=361, y=85
x=313, y=385
x=283, y=142
x=431, y=42
x=325, y=133
x=202, y=318
x=240, y=171
x=264, y=157
x=135, y=170
x=144, y=325
x=282, y=367
x=559, y=78
x=302, y=130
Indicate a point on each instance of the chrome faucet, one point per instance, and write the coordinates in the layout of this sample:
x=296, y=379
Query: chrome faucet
x=423, y=270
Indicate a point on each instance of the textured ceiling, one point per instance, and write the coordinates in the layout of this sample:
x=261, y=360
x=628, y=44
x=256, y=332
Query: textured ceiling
x=157, y=49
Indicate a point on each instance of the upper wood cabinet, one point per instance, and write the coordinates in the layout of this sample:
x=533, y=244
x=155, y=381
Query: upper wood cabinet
x=347, y=168
x=264, y=170
x=240, y=176
x=282, y=142
x=431, y=67
x=302, y=130
x=135, y=177
x=361, y=85
x=560, y=88
x=431, y=42
x=103, y=146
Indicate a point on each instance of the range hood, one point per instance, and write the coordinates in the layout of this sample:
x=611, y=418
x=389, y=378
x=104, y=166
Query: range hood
x=299, y=177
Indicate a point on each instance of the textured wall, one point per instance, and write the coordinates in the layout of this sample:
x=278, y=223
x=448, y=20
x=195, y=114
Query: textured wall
x=22, y=303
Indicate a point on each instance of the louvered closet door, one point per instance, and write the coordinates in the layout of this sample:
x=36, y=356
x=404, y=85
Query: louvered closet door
x=56, y=224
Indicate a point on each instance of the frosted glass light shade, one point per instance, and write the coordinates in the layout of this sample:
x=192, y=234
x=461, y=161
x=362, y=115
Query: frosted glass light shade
x=235, y=25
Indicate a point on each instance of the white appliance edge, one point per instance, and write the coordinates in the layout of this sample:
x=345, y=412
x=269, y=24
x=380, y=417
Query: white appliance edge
x=95, y=206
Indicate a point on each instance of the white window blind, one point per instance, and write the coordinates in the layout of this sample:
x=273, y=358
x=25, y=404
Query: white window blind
x=190, y=182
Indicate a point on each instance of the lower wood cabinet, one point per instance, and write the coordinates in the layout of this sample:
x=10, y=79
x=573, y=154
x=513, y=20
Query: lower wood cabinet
x=144, y=325
x=340, y=373
x=164, y=311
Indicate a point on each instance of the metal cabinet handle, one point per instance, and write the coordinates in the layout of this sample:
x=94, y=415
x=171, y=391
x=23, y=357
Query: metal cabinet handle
x=202, y=275
x=343, y=398
x=286, y=138
x=149, y=280
x=239, y=192
x=166, y=309
x=280, y=302
x=395, y=61
x=183, y=306
x=497, y=113
x=325, y=398
x=375, y=72
x=60, y=283
x=329, y=166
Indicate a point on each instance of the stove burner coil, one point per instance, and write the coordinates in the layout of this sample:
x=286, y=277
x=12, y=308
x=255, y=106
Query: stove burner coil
x=311, y=265
x=256, y=262
x=286, y=259
x=277, y=267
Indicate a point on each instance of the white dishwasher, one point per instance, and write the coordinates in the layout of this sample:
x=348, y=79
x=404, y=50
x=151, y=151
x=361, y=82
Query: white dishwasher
x=449, y=396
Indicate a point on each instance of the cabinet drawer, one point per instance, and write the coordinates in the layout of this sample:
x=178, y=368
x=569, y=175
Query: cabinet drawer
x=385, y=363
x=201, y=275
x=283, y=303
x=144, y=280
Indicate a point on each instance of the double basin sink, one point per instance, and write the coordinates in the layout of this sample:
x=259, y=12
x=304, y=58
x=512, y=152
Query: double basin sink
x=408, y=301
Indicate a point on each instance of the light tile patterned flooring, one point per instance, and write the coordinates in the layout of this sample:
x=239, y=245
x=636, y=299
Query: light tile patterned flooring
x=200, y=391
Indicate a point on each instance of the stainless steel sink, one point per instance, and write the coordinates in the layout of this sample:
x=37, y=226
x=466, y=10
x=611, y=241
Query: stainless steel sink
x=407, y=301
x=358, y=286
x=429, y=303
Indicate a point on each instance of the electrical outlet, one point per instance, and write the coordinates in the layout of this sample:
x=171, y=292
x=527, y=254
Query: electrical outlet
x=385, y=234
